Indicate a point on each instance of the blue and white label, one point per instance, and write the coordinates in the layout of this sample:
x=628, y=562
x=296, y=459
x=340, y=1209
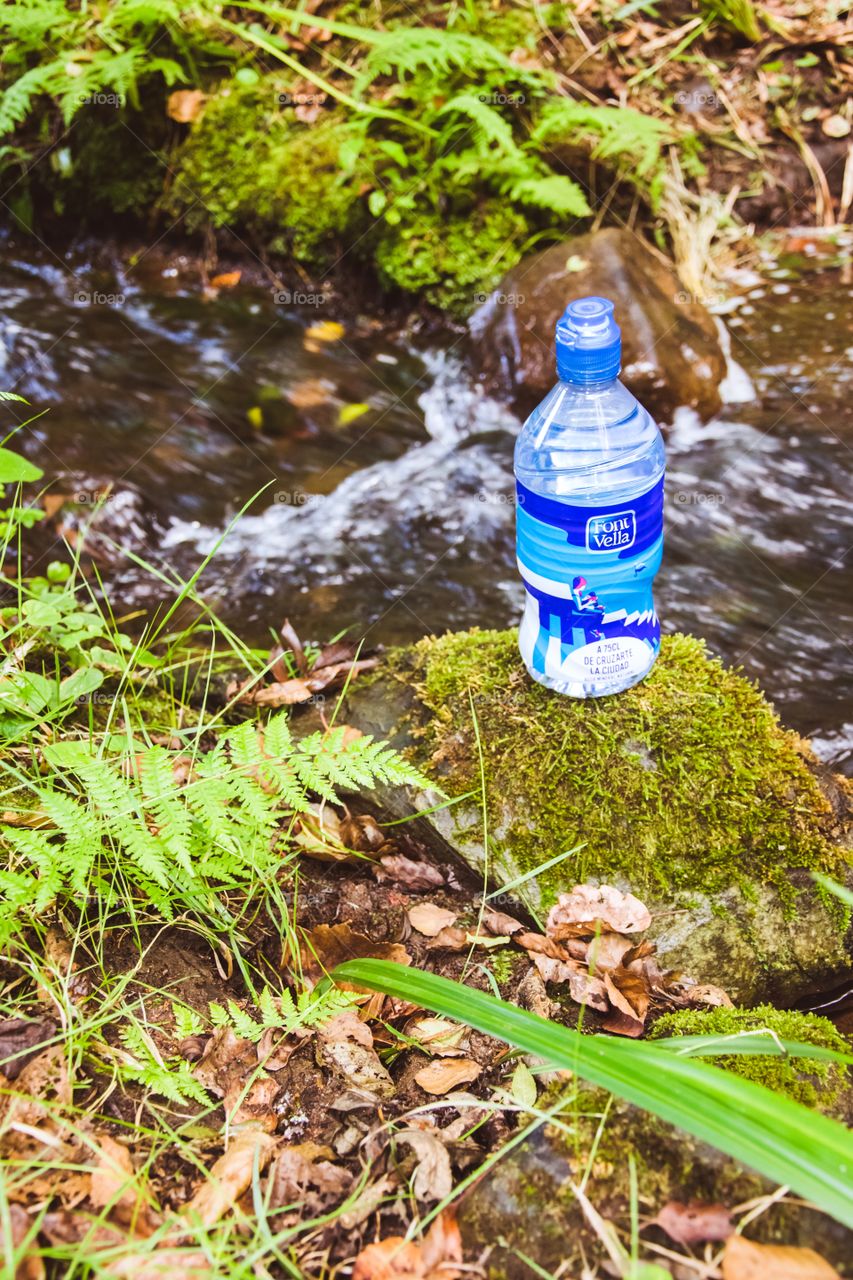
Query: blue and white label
x=588, y=570
x=615, y=531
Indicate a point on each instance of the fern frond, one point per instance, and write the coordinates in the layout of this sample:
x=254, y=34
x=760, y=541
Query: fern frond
x=408, y=50
x=174, y=1082
x=632, y=140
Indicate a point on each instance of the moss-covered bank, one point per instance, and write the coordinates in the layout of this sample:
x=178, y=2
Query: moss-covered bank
x=431, y=143
x=528, y=1204
x=684, y=789
x=816, y=1082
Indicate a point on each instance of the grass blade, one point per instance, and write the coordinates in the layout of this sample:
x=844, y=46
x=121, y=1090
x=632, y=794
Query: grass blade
x=771, y=1134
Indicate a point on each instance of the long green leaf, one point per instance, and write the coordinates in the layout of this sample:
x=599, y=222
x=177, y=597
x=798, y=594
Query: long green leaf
x=778, y=1138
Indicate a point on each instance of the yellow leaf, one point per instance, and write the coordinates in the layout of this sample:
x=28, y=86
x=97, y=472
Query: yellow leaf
x=349, y=413
x=325, y=331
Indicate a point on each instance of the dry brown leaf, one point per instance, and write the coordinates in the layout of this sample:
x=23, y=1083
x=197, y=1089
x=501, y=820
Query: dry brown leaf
x=450, y=939
x=432, y=1178
x=362, y=832
x=417, y=876
x=391, y=1259
x=714, y=997
x=292, y=644
x=628, y=992
x=584, y=987
x=607, y=951
x=59, y=955
x=347, y=1025
x=621, y=1024
x=442, y=1247
x=590, y=904
x=746, y=1260
x=33, y=819
x=329, y=945
x=440, y=1077
x=531, y=994
x=21, y=1040
x=161, y=1264
x=229, y=1069
x=500, y=923
x=320, y=837
x=695, y=1222
x=113, y=1178
x=346, y=1043
x=541, y=945
x=300, y=1176
x=185, y=105
x=231, y=1175
x=309, y=393
x=52, y=503
x=429, y=919
x=31, y=1265
x=32, y=1114
x=400, y=1259
x=288, y=693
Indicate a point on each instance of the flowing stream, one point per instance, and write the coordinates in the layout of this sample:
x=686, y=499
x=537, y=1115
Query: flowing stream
x=383, y=473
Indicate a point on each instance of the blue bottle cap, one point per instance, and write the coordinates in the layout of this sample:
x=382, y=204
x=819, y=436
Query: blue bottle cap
x=589, y=342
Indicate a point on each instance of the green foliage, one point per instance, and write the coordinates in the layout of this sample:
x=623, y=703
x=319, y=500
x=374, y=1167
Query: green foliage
x=740, y=15
x=769, y=1133
x=15, y=470
x=628, y=141
x=69, y=53
x=816, y=1082
x=292, y=187
x=282, y=1013
x=65, y=643
x=431, y=123
x=143, y=1063
x=135, y=825
x=451, y=260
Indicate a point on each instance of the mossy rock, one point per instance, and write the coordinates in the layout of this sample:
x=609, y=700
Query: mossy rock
x=249, y=163
x=815, y=1082
x=527, y=1201
x=685, y=790
x=453, y=259
x=525, y=1208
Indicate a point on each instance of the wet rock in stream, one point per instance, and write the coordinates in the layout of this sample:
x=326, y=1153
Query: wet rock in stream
x=684, y=790
x=672, y=353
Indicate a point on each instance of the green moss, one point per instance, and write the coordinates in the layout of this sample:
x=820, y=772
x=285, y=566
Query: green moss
x=684, y=782
x=526, y=1202
x=249, y=164
x=812, y=1081
x=453, y=259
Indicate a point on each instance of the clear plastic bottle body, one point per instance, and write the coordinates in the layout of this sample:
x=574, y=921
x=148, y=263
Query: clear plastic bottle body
x=589, y=466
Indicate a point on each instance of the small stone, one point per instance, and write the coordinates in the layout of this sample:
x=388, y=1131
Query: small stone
x=836, y=126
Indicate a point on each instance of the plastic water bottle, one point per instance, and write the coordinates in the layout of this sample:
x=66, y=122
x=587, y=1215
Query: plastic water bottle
x=589, y=469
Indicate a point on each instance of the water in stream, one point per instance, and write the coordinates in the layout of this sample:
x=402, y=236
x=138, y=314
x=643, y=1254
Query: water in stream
x=386, y=472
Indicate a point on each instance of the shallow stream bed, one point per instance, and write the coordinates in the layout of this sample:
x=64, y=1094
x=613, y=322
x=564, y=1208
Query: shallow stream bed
x=383, y=473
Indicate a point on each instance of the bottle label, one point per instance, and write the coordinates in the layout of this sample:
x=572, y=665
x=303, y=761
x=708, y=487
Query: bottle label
x=588, y=572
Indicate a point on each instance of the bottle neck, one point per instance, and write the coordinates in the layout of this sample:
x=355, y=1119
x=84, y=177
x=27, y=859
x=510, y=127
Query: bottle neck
x=587, y=387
